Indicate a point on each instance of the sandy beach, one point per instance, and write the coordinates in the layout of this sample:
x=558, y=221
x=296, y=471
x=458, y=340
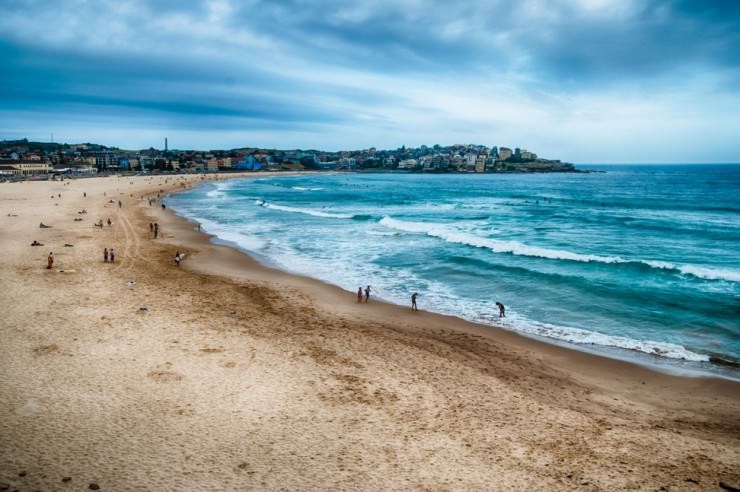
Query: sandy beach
x=223, y=374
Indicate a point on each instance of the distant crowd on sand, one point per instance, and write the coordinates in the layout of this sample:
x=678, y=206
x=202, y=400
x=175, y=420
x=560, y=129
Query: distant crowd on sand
x=109, y=255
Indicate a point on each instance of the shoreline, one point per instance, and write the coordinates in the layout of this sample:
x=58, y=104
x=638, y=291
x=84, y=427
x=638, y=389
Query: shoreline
x=667, y=366
x=226, y=374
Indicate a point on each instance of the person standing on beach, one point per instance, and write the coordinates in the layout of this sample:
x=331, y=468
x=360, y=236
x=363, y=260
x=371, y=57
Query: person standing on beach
x=105, y=255
x=50, y=261
x=501, y=310
x=112, y=256
x=177, y=258
x=367, y=294
x=359, y=295
x=156, y=230
x=413, y=302
x=151, y=228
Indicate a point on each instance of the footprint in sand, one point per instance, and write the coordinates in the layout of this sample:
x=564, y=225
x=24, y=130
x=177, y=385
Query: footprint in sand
x=165, y=376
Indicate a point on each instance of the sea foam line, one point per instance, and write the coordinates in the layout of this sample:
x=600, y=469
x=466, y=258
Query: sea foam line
x=306, y=211
x=302, y=188
x=516, y=248
x=586, y=337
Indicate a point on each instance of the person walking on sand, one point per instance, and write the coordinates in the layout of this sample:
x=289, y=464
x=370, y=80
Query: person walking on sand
x=413, y=302
x=501, y=310
x=105, y=255
x=112, y=256
x=151, y=228
x=177, y=258
x=359, y=295
x=156, y=230
x=50, y=261
x=367, y=294
x=109, y=222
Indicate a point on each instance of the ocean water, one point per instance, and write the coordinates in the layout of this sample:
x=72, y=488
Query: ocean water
x=638, y=262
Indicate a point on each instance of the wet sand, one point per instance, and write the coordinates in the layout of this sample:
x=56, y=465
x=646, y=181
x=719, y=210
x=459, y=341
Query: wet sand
x=239, y=376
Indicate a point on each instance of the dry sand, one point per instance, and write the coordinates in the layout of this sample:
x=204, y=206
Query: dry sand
x=239, y=377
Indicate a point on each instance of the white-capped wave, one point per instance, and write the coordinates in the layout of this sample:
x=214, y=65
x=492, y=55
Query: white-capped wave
x=516, y=248
x=710, y=273
x=302, y=188
x=226, y=233
x=306, y=211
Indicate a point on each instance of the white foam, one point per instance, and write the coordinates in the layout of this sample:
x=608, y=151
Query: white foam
x=394, y=286
x=245, y=241
x=711, y=273
x=301, y=188
x=306, y=211
x=516, y=248
x=587, y=337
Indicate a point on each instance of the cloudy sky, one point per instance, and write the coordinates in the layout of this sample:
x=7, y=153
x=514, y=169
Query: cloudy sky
x=579, y=80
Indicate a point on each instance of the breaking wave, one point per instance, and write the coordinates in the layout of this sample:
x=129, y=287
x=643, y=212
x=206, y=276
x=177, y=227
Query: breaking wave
x=306, y=211
x=441, y=231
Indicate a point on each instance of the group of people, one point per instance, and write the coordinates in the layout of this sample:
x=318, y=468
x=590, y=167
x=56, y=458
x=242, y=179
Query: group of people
x=360, y=294
x=154, y=229
x=109, y=255
x=363, y=295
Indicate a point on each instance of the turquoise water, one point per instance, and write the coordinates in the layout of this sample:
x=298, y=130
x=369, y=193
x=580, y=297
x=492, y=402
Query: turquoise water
x=639, y=261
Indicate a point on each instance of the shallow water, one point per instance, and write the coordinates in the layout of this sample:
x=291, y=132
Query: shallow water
x=640, y=261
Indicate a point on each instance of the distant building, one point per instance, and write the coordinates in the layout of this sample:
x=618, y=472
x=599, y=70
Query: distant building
x=526, y=155
x=24, y=167
x=480, y=163
x=106, y=159
x=247, y=163
x=504, y=153
x=212, y=164
x=347, y=163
